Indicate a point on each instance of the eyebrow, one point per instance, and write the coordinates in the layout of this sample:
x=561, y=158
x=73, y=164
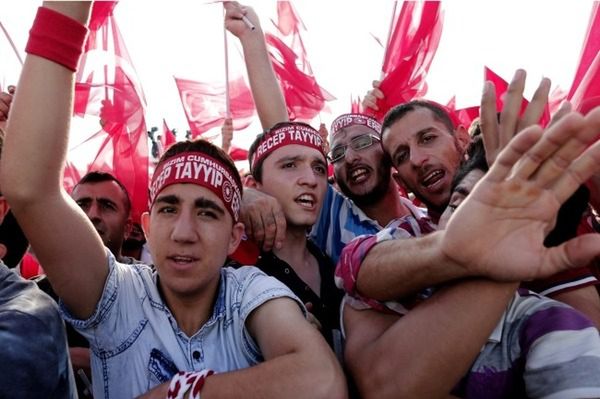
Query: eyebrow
x=462, y=190
x=201, y=202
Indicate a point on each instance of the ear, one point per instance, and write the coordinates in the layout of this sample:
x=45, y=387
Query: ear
x=236, y=236
x=3, y=251
x=398, y=180
x=3, y=208
x=462, y=136
x=251, y=182
x=145, y=223
x=128, y=228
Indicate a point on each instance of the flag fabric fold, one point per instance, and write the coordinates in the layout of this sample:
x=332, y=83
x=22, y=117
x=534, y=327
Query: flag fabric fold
x=304, y=97
x=412, y=45
x=108, y=91
x=204, y=104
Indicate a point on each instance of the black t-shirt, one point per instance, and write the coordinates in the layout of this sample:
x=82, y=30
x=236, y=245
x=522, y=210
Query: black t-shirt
x=325, y=308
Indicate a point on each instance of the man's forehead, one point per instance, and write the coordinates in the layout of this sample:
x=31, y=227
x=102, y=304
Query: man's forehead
x=103, y=188
x=295, y=151
x=348, y=133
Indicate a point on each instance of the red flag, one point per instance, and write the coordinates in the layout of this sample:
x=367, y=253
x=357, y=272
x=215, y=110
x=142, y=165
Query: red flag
x=501, y=89
x=585, y=90
x=167, y=138
x=238, y=154
x=589, y=50
x=303, y=95
x=411, y=47
x=108, y=88
x=204, y=104
x=355, y=106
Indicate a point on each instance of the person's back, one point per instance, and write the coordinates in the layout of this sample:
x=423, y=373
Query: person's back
x=35, y=361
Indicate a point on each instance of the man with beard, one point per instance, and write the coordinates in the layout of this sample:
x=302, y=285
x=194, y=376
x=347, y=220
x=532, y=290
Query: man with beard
x=371, y=198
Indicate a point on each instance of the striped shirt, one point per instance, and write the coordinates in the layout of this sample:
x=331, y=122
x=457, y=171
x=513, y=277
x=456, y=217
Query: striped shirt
x=541, y=348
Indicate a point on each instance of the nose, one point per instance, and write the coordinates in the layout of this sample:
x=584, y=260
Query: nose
x=184, y=228
x=418, y=158
x=93, y=212
x=351, y=155
x=308, y=177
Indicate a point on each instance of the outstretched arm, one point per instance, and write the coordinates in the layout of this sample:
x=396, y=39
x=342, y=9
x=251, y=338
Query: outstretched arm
x=33, y=159
x=267, y=94
x=424, y=353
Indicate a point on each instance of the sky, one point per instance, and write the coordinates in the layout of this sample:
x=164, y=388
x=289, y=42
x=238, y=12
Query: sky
x=185, y=38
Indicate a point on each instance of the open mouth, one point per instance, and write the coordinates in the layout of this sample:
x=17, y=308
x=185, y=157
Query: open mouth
x=182, y=260
x=306, y=201
x=359, y=175
x=431, y=178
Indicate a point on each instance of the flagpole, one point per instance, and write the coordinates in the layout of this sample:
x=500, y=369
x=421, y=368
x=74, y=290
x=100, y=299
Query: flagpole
x=12, y=44
x=227, y=105
x=389, y=36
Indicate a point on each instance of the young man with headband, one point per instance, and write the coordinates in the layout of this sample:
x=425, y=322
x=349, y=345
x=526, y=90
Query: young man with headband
x=192, y=325
x=288, y=162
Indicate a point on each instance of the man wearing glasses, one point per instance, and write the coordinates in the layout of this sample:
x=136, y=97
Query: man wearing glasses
x=363, y=174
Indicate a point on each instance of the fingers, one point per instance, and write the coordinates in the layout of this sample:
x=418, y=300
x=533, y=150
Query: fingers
x=370, y=100
x=509, y=118
x=535, y=109
x=274, y=230
x=504, y=164
x=585, y=165
x=577, y=252
x=563, y=110
x=539, y=160
x=489, y=121
x=5, y=101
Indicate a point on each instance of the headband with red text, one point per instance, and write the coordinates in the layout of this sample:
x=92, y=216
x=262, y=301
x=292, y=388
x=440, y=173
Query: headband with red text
x=198, y=168
x=345, y=120
x=287, y=134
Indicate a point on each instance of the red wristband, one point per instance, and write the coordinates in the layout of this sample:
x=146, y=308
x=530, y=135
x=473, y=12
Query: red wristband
x=57, y=38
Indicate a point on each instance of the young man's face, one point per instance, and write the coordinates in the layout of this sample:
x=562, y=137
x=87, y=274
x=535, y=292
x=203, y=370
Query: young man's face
x=296, y=175
x=426, y=156
x=462, y=190
x=361, y=175
x=104, y=203
x=189, y=233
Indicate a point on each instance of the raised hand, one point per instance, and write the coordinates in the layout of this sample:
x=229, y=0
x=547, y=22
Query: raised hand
x=496, y=134
x=370, y=100
x=499, y=230
x=234, y=18
x=226, y=134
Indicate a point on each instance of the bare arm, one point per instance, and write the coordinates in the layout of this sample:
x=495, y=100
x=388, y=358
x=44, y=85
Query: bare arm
x=425, y=353
x=267, y=94
x=64, y=240
x=298, y=363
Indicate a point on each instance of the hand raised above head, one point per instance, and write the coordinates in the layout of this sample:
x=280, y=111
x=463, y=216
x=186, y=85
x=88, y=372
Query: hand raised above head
x=370, y=100
x=239, y=19
x=497, y=132
x=499, y=230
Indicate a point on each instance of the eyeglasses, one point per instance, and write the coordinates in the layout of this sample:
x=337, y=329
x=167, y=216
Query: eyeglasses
x=357, y=144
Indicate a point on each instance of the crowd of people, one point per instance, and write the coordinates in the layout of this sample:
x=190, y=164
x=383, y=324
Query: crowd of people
x=408, y=257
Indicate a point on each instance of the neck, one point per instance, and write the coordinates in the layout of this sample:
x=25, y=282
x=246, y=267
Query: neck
x=192, y=311
x=388, y=208
x=295, y=253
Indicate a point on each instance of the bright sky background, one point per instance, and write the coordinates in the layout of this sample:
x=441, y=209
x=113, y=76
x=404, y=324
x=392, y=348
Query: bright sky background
x=185, y=38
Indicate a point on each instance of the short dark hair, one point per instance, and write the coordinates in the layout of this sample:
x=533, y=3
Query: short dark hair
x=205, y=147
x=97, y=176
x=440, y=113
x=256, y=172
x=476, y=160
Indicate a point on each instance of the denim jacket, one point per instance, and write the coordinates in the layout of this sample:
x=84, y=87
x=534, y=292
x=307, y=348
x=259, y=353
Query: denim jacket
x=136, y=342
